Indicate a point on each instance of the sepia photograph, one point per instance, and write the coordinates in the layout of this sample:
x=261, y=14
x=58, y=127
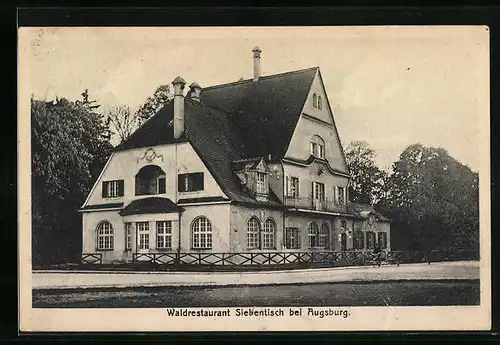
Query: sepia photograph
x=254, y=178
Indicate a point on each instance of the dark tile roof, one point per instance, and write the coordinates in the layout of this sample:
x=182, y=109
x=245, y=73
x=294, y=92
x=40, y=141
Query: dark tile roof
x=102, y=206
x=235, y=121
x=265, y=112
x=363, y=210
x=150, y=205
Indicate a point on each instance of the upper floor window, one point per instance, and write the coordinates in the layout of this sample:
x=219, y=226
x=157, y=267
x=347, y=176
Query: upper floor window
x=201, y=230
x=320, y=103
x=292, y=187
x=105, y=236
x=315, y=100
x=150, y=180
x=190, y=182
x=319, y=191
x=112, y=189
x=261, y=183
x=317, y=147
x=341, y=195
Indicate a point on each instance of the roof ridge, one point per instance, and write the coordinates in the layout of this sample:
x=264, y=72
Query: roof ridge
x=262, y=77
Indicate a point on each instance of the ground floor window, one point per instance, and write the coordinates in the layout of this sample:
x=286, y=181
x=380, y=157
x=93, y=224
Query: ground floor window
x=382, y=240
x=268, y=234
x=143, y=233
x=128, y=236
x=313, y=235
x=201, y=229
x=359, y=242
x=370, y=240
x=253, y=232
x=105, y=236
x=324, y=235
x=164, y=234
x=292, y=238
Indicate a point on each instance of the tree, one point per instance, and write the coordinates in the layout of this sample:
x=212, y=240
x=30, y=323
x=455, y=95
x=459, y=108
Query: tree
x=434, y=201
x=70, y=143
x=368, y=182
x=123, y=121
x=154, y=103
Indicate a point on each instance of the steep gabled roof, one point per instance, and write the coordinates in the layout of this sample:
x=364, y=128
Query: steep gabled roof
x=265, y=112
x=364, y=210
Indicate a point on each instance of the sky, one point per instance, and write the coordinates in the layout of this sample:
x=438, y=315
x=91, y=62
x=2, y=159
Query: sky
x=389, y=86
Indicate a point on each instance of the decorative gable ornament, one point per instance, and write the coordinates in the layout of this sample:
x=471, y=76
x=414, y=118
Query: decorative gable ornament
x=150, y=155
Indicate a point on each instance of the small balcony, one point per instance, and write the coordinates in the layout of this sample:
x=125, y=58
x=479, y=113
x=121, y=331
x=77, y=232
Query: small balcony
x=309, y=203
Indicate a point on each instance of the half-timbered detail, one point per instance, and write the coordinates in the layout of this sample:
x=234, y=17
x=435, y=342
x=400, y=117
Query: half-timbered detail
x=244, y=173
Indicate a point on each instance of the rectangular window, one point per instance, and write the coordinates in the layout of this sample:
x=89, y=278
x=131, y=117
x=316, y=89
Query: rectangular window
x=162, y=186
x=112, y=189
x=190, y=182
x=370, y=240
x=164, y=235
x=292, y=238
x=359, y=242
x=293, y=187
x=143, y=233
x=261, y=183
x=382, y=240
x=128, y=236
x=319, y=191
x=341, y=195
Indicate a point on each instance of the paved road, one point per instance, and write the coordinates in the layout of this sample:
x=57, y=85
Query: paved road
x=460, y=270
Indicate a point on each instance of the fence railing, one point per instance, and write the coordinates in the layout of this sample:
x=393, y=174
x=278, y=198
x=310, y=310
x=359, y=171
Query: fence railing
x=288, y=259
x=92, y=258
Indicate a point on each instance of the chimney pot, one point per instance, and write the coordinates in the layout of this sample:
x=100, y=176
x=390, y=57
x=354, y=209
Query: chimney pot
x=195, y=91
x=256, y=63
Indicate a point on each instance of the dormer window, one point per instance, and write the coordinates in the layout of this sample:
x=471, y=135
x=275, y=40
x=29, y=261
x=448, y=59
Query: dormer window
x=317, y=147
x=150, y=180
x=261, y=183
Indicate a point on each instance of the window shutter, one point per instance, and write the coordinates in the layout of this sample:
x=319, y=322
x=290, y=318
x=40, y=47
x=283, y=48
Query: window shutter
x=287, y=186
x=200, y=182
x=121, y=185
x=335, y=198
x=161, y=185
x=104, y=189
x=312, y=190
x=297, y=188
x=180, y=182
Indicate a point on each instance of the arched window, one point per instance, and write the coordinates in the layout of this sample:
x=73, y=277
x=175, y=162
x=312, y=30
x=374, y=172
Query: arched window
x=317, y=146
x=313, y=235
x=320, y=103
x=315, y=101
x=105, y=236
x=150, y=180
x=253, y=233
x=201, y=229
x=268, y=233
x=324, y=235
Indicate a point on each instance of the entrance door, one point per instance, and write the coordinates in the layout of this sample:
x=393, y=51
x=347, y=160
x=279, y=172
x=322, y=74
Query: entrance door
x=343, y=241
x=142, y=237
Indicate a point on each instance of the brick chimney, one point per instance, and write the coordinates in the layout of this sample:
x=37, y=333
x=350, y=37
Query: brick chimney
x=256, y=63
x=178, y=84
x=195, y=91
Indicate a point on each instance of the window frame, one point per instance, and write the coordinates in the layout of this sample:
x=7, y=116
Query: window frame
x=322, y=190
x=113, y=189
x=197, y=231
x=191, y=182
x=370, y=235
x=143, y=235
x=320, y=103
x=385, y=239
x=269, y=234
x=341, y=197
x=313, y=235
x=165, y=235
x=107, y=235
x=324, y=236
x=261, y=184
x=315, y=100
x=253, y=233
x=359, y=240
x=292, y=187
x=292, y=238
x=128, y=236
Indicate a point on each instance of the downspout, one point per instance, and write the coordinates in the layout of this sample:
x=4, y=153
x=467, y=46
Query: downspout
x=176, y=201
